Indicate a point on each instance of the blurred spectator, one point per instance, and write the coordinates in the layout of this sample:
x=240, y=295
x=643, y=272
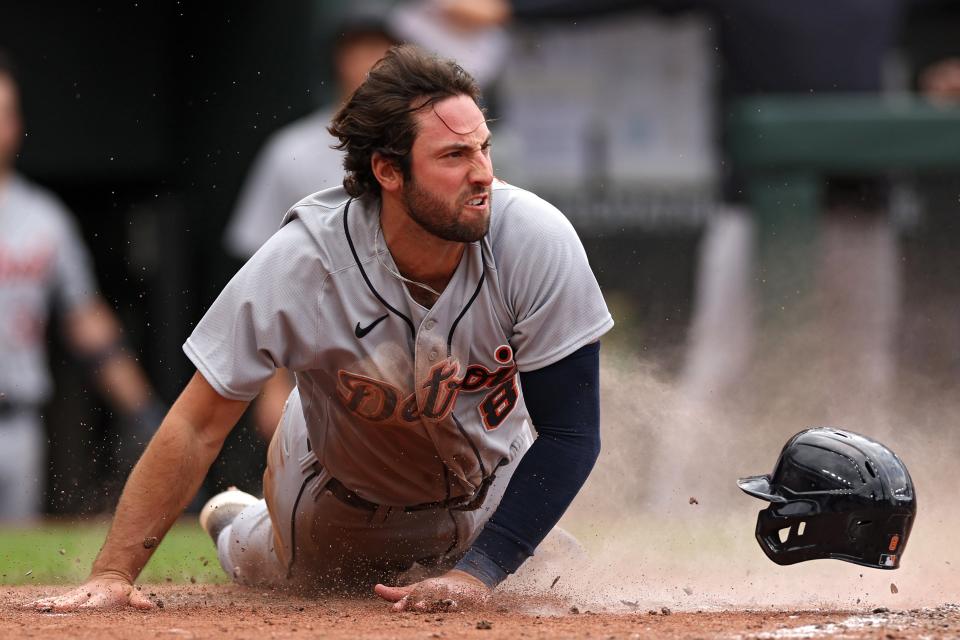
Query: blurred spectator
x=469, y=31
x=42, y=258
x=299, y=159
x=296, y=161
x=941, y=81
x=933, y=50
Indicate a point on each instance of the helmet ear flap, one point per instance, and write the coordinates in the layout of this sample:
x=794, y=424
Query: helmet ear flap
x=786, y=538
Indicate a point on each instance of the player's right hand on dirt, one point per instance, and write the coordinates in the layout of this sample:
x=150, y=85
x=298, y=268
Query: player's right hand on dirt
x=96, y=593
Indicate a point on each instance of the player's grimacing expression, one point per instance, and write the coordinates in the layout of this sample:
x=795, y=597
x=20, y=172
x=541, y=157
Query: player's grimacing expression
x=9, y=121
x=448, y=192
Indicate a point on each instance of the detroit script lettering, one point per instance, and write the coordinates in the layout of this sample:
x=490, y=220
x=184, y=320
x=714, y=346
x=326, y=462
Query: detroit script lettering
x=379, y=401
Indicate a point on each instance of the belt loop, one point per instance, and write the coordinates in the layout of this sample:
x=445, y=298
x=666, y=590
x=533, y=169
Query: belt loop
x=319, y=483
x=381, y=515
x=307, y=461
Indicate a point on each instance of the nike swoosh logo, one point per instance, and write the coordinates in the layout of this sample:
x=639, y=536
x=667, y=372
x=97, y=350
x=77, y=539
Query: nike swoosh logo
x=362, y=331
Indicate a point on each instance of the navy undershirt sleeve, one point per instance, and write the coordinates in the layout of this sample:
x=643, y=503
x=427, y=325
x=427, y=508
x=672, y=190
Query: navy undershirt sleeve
x=564, y=403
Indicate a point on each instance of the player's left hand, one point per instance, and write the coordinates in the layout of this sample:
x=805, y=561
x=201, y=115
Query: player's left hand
x=452, y=591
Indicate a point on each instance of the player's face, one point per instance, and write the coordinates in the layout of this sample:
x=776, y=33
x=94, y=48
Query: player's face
x=9, y=121
x=448, y=192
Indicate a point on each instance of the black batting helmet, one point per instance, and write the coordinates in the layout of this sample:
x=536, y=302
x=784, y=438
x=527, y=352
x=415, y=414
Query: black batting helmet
x=835, y=494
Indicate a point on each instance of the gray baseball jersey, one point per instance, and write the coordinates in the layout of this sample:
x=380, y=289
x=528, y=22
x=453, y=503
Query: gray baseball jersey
x=41, y=256
x=296, y=161
x=403, y=404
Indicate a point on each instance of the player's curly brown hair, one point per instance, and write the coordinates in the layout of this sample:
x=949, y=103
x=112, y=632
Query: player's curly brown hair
x=379, y=117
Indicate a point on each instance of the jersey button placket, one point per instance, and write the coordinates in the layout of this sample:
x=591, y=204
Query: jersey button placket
x=428, y=326
x=423, y=351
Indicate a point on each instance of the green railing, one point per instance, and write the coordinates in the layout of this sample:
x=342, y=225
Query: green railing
x=785, y=146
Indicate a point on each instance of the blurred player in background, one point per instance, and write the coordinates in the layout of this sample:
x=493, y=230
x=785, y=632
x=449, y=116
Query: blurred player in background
x=42, y=259
x=299, y=159
x=296, y=161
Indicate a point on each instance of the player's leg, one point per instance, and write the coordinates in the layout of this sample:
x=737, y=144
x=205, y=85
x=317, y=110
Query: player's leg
x=329, y=543
x=249, y=530
x=241, y=525
x=305, y=537
x=301, y=536
x=22, y=469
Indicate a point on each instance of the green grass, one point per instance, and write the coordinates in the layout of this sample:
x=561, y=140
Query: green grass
x=62, y=552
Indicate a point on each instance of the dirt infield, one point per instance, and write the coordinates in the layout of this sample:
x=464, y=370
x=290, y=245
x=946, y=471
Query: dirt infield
x=206, y=611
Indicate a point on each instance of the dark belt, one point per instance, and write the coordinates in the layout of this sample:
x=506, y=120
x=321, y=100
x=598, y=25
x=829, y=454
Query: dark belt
x=461, y=503
x=9, y=409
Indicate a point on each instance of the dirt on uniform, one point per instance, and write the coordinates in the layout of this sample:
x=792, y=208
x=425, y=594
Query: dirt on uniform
x=215, y=611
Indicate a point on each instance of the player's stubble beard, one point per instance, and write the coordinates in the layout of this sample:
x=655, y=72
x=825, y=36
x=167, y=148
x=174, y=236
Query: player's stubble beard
x=442, y=220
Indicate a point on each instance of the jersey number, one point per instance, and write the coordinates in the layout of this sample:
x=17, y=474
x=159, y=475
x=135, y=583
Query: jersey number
x=499, y=403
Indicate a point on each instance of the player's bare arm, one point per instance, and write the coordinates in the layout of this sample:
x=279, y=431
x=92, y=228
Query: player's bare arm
x=268, y=406
x=159, y=488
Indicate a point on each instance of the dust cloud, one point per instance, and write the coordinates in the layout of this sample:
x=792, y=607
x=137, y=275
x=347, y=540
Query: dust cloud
x=665, y=525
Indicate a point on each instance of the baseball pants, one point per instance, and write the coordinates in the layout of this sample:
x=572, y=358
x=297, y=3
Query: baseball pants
x=22, y=473
x=303, y=537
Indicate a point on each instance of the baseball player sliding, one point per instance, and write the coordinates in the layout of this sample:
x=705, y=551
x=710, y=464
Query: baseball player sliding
x=433, y=315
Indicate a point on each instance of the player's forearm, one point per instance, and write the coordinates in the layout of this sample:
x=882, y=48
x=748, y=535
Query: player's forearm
x=95, y=335
x=159, y=488
x=167, y=476
x=269, y=404
x=125, y=385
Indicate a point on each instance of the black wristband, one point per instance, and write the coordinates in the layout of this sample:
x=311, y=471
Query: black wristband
x=94, y=360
